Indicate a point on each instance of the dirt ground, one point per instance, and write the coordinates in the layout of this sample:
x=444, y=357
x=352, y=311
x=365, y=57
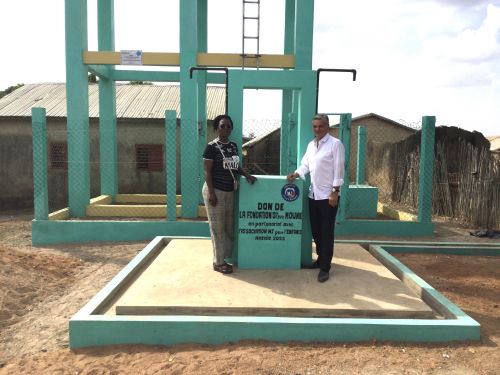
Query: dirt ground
x=41, y=288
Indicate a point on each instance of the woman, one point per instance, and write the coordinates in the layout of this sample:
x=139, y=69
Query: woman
x=222, y=163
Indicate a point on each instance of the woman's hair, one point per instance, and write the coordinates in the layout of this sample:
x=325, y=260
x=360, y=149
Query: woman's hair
x=219, y=118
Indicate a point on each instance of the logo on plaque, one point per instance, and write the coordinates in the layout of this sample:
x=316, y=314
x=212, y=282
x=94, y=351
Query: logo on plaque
x=290, y=192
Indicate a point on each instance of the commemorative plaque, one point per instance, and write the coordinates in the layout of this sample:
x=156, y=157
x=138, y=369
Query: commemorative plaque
x=269, y=224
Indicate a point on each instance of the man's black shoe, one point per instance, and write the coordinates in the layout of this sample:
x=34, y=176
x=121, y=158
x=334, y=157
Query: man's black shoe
x=323, y=276
x=311, y=266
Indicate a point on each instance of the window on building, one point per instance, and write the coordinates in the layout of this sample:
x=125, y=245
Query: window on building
x=58, y=155
x=149, y=157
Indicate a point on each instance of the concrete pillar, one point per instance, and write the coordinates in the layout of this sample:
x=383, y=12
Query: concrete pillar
x=288, y=139
x=345, y=137
x=361, y=156
x=426, y=170
x=108, y=137
x=307, y=104
x=288, y=131
x=39, y=138
x=201, y=96
x=189, y=127
x=171, y=163
x=304, y=22
x=77, y=107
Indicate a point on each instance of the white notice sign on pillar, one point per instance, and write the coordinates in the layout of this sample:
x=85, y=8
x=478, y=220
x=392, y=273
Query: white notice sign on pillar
x=131, y=57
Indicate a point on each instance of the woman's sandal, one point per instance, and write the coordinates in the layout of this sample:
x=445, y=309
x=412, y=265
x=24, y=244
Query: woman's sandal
x=223, y=268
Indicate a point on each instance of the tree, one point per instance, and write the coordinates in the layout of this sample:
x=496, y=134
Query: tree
x=92, y=78
x=9, y=89
x=140, y=83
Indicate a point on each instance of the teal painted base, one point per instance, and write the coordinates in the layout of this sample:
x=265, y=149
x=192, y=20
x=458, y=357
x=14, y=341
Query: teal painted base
x=90, y=328
x=156, y=330
x=45, y=232
x=392, y=228
x=362, y=202
x=467, y=249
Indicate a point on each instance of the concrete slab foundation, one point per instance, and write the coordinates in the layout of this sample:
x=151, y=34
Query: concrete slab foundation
x=169, y=294
x=181, y=281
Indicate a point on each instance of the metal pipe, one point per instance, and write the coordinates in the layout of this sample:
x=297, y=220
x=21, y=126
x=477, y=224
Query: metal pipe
x=226, y=71
x=353, y=71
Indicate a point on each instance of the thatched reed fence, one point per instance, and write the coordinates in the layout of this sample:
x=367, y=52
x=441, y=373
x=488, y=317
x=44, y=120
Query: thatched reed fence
x=466, y=183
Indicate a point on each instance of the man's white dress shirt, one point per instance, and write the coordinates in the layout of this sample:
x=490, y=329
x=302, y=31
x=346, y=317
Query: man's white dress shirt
x=324, y=160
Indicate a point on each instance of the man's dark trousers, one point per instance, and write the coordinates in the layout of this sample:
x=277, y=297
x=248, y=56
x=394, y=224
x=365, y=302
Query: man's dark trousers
x=322, y=217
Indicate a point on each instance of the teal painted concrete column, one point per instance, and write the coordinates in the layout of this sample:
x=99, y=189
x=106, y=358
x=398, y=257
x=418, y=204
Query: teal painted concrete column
x=289, y=42
x=287, y=131
x=189, y=125
x=304, y=21
x=201, y=120
x=426, y=170
x=287, y=124
x=39, y=138
x=361, y=156
x=235, y=110
x=302, y=49
x=171, y=163
x=108, y=149
x=235, y=104
x=201, y=81
x=288, y=158
x=77, y=107
x=345, y=137
x=307, y=104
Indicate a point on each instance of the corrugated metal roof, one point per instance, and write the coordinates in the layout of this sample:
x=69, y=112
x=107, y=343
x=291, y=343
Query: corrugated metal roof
x=132, y=101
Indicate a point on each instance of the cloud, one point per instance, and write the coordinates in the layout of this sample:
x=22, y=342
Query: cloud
x=463, y=3
x=470, y=45
x=467, y=57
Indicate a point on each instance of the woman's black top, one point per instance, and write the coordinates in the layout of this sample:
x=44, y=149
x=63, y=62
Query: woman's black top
x=221, y=177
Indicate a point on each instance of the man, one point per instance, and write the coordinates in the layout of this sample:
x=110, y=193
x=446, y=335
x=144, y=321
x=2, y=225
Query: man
x=324, y=160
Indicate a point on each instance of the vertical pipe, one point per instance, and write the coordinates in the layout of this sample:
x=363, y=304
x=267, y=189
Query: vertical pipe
x=108, y=137
x=41, y=191
x=77, y=107
x=171, y=163
x=361, y=157
x=426, y=169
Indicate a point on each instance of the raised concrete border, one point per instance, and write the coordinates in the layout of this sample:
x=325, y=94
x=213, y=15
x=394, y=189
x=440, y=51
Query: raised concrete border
x=89, y=327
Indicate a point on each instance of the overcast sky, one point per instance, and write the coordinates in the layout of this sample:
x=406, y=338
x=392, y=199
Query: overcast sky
x=413, y=57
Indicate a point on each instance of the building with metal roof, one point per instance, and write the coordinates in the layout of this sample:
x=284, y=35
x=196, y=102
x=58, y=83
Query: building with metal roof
x=132, y=101
x=141, y=142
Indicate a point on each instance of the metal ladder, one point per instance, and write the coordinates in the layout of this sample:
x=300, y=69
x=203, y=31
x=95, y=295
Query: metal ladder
x=252, y=4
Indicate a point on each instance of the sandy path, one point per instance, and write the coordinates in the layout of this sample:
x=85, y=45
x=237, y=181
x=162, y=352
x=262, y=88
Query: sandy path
x=40, y=288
